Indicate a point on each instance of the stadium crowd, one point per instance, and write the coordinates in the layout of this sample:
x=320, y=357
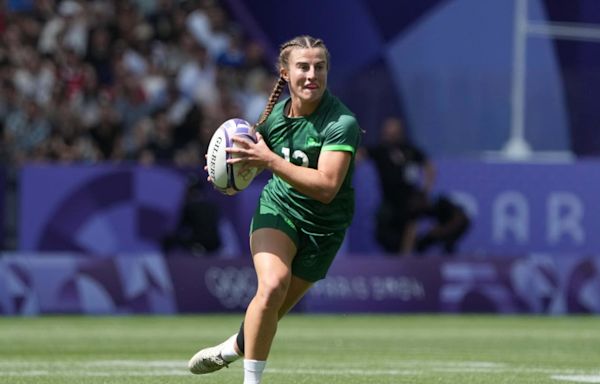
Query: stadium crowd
x=107, y=80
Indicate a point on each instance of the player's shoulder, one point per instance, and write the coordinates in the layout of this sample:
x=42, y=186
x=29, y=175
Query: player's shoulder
x=340, y=117
x=339, y=112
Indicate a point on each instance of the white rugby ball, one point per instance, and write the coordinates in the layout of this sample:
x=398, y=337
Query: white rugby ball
x=227, y=177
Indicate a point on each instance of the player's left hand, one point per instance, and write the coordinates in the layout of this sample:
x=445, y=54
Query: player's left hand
x=257, y=155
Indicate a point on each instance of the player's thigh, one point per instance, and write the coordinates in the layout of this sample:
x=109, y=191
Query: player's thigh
x=272, y=253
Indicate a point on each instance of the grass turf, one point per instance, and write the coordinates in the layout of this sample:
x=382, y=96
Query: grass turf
x=308, y=349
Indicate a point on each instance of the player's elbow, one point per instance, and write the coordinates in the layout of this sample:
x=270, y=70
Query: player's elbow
x=326, y=199
x=326, y=195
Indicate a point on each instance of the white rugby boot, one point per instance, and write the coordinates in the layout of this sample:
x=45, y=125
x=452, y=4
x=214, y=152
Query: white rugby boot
x=207, y=360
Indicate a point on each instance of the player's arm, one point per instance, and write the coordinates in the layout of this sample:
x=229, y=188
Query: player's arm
x=321, y=184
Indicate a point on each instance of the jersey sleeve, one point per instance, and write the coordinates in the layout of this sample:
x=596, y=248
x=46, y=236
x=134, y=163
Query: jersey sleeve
x=342, y=135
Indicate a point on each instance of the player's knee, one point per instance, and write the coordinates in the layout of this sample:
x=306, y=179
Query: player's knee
x=272, y=291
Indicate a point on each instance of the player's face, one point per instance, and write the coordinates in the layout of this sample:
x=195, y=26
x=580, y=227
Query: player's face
x=307, y=74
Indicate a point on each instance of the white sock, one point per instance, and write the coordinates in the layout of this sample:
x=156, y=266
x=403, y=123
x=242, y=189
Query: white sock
x=228, y=352
x=253, y=370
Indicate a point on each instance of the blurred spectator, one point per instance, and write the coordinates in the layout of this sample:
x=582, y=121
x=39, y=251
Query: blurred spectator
x=163, y=21
x=34, y=77
x=234, y=55
x=198, y=229
x=9, y=102
x=130, y=102
x=207, y=24
x=255, y=58
x=99, y=54
x=259, y=85
x=406, y=176
x=87, y=101
x=71, y=73
x=450, y=224
x=68, y=28
x=162, y=143
x=106, y=133
x=136, y=143
x=26, y=129
x=69, y=140
x=197, y=78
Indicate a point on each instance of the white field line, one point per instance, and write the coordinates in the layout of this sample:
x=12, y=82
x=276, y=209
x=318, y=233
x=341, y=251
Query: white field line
x=577, y=378
x=23, y=374
x=76, y=373
x=136, y=363
x=138, y=368
x=145, y=364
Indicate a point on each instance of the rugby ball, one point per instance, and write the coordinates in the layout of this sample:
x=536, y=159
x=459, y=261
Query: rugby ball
x=228, y=178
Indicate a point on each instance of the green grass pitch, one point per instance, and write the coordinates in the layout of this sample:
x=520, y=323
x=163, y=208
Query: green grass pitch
x=345, y=349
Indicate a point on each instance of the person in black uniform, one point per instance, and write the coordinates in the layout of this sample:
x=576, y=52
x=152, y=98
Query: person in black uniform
x=406, y=177
x=450, y=224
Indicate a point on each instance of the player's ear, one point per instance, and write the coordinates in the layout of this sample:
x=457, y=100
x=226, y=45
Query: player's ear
x=284, y=74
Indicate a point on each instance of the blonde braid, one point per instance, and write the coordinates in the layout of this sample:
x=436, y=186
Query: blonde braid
x=275, y=93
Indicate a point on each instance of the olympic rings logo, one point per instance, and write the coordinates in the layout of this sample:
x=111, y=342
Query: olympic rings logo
x=234, y=287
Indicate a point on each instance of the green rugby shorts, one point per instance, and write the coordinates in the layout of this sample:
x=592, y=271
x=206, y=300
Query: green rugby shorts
x=315, y=250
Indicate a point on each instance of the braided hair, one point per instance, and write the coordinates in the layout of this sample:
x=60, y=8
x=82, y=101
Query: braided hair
x=304, y=42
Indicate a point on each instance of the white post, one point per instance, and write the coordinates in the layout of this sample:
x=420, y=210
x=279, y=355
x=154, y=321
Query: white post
x=517, y=147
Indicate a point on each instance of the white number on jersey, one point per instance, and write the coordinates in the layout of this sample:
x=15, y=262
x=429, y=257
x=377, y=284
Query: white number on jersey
x=297, y=155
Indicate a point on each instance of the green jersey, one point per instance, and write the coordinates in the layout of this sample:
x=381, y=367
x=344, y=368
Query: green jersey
x=300, y=140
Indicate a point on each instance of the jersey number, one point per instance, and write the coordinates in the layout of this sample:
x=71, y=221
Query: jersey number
x=297, y=155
